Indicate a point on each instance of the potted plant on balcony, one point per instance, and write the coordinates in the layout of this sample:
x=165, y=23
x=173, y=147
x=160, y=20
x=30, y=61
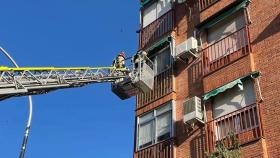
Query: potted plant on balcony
x=226, y=148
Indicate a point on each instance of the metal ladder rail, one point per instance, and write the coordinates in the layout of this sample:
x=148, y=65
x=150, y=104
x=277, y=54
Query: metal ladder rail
x=38, y=80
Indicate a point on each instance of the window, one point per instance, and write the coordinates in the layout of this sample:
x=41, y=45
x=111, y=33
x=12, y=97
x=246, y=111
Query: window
x=233, y=100
x=155, y=126
x=227, y=36
x=226, y=27
x=146, y=130
x=162, y=60
x=155, y=10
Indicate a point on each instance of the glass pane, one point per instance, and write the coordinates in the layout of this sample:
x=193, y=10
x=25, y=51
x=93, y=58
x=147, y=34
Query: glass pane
x=146, y=118
x=226, y=27
x=150, y=14
x=163, y=7
x=163, y=126
x=163, y=109
x=146, y=135
x=234, y=99
x=163, y=61
x=237, y=124
x=219, y=130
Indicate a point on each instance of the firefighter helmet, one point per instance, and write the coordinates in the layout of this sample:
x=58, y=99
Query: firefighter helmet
x=122, y=53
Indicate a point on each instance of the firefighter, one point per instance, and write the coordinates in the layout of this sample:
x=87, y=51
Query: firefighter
x=119, y=62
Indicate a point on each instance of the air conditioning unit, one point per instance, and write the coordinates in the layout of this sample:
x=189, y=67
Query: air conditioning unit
x=187, y=49
x=192, y=111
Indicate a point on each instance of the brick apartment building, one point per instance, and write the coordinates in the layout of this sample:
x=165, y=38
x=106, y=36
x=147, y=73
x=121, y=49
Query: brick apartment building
x=232, y=76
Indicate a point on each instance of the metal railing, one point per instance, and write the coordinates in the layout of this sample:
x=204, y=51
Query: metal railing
x=160, y=150
x=156, y=29
x=226, y=50
x=163, y=85
x=204, y=4
x=245, y=123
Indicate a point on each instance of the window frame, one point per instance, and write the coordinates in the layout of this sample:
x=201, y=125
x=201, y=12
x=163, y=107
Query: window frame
x=165, y=10
x=155, y=56
x=245, y=94
x=218, y=43
x=153, y=133
x=155, y=140
x=225, y=23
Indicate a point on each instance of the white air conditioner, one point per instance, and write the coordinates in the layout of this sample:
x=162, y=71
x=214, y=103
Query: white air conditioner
x=187, y=49
x=192, y=111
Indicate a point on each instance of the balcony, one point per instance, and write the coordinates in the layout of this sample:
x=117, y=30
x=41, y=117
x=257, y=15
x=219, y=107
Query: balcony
x=157, y=29
x=244, y=123
x=226, y=50
x=160, y=150
x=163, y=85
x=204, y=4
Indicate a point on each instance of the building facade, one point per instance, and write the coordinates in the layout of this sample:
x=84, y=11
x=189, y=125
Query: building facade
x=218, y=60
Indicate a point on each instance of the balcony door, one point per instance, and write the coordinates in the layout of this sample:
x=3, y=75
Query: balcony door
x=232, y=100
x=223, y=37
x=162, y=60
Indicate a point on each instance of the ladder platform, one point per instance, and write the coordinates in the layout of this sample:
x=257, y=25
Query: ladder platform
x=124, y=89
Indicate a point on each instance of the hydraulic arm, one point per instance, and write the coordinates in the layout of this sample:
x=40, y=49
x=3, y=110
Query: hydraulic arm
x=39, y=80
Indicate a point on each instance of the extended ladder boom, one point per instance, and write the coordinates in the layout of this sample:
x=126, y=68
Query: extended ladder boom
x=40, y=80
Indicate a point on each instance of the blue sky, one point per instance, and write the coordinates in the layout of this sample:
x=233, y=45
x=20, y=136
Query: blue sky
x=88, y=122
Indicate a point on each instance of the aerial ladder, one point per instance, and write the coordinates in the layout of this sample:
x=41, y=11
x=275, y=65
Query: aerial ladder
x=126, y=82
x=26, y=81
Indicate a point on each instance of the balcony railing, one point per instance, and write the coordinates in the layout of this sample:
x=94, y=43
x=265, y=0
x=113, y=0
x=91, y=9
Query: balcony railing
x=157, y=29
x=160, y=150
x=244, y=123
x=163, y=85
x=204, y=4
x=226, y=50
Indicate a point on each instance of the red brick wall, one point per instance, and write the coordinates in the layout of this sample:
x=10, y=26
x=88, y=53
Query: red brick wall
x=214, y=9
x=229, y=73
x=187, y=17
x=241, y=67
x=265, y=37
x=188, y=83
x=265, y=57
x=156, y=104
x=253, y=150
x=189, y=143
